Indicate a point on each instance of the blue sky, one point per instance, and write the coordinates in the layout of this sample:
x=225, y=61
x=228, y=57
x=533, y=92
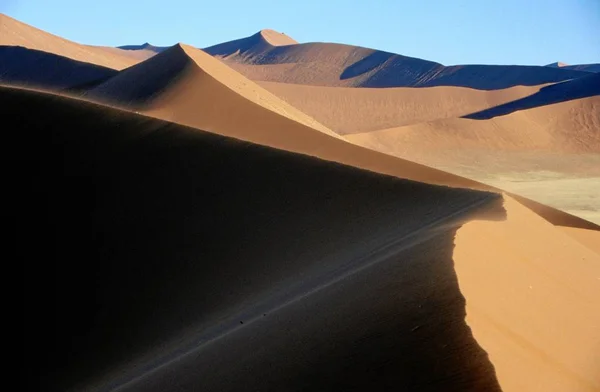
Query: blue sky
x=447, y=31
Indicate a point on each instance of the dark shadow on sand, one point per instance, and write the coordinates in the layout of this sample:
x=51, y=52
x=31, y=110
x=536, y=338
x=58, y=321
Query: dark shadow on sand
x=37, y=69
x=139, y=239
x=584, y=87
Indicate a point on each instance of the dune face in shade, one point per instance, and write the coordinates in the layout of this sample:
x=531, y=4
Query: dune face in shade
x=169, y=236
x=200, y=261
x=31, y=68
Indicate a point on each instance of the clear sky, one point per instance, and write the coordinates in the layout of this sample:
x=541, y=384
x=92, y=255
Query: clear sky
x=448, y=31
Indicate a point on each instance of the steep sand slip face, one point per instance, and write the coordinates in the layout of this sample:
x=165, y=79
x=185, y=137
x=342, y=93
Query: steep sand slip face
x=351, y=110
x=172, y=237
x=15, y=33
x=186, y=85
x=505, y=270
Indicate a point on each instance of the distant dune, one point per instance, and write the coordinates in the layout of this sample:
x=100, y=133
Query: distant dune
x=146, y=47
x=336, y=65
x=576, y=67
x=15, y=33
x=260, y=269
x=549, y=153
x=586, y=86
x=33, y=68
x=351, y=110
x=188, y=86
x=263, y=41
x=569, y=126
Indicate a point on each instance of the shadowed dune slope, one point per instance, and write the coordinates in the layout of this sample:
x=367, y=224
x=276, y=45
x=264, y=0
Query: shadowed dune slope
x=577, y=67
x=157, y=234
x=203, y=262
x=145, y=47
x=351, y=110
x=337, y=65
x=586, y=86
x=15, y=33
x=186, y=85
x=34, y=68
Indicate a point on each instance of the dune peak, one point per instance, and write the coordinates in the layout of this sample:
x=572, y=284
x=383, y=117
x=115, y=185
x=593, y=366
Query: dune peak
x=276, y=38
x=558, y=64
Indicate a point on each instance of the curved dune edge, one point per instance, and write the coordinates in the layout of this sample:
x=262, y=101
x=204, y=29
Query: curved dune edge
x=186, y=84
x=558, y=277
x=348, y=110
x=531, y=291
x=15, y=33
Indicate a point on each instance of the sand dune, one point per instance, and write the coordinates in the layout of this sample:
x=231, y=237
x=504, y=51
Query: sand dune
x=15, y=33
x=270, y=270
x=33, y=68
x=260, y=42
x=336, y=65
x=550, y=153
x=576, y=67
x=570, y=126
x=350, y=110
x=147, y=48
x=586, y=86
x=208, y=95
x=188, y=86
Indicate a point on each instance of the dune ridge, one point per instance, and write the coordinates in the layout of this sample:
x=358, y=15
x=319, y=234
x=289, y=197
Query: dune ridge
x=182, y=83
x=15, y=33
x=337, y=65
x=173, y=202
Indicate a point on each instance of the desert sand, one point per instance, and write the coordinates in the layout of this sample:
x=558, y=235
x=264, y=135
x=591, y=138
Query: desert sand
x=180, y=227
x=349, y=110
x=15, y=33
x=236, y=264
x=337, y=65
x=550, y=153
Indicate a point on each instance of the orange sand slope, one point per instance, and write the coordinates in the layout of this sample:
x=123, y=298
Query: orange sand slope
x=227, y=265
x=328, y=64
x=570, y=126
x=351, y=110
x=15, y=33
x=186, y=85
